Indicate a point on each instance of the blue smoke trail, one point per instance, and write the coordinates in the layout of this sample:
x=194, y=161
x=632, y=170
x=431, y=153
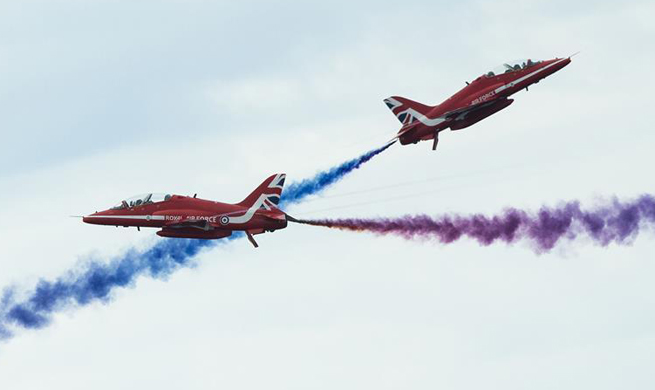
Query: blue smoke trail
x=97, y=280
x=296, y=192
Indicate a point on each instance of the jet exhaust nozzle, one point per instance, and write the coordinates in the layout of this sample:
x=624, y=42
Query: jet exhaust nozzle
x=291, y=219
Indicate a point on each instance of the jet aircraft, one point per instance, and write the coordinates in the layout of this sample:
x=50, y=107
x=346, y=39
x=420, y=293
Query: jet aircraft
x=189, y=217
x=481, y=98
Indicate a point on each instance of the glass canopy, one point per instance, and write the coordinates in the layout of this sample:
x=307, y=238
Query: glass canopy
x=512, y=66
x=140, y=200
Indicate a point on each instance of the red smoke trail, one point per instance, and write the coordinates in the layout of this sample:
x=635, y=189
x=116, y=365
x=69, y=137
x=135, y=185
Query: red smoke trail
x=613, y=222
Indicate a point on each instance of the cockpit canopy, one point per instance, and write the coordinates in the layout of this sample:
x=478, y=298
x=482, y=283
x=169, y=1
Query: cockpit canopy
x=140, y=200
x=512, y=66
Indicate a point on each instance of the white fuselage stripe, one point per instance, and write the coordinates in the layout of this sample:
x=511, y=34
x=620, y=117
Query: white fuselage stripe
x=513, y=83
x=422, y=118
x=145, y=217
x=247, y=216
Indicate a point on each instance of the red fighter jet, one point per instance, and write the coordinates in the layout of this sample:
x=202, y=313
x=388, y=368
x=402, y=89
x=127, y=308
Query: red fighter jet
x=481, y=98
x=189, y=217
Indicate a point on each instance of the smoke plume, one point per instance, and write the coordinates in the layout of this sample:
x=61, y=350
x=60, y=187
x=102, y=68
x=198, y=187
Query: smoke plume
x=614, y=222
x=296, y=192
x=96, y=280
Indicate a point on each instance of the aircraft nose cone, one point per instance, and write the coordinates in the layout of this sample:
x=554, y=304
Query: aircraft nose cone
x=90, y=219
x=563, y=63
x=558, y=64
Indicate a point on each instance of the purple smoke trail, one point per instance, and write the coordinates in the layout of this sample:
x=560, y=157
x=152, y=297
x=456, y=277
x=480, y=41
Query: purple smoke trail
x=614, y=222
x=97, y=280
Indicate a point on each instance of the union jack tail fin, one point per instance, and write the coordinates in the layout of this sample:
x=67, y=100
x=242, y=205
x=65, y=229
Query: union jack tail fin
x=406, y=110
x=267, y=195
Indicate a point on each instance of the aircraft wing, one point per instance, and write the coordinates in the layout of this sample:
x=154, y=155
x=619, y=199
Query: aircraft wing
x=201, y=224
x=460, y=113
x=456, y=114
x=276, y=216
x=408, y=129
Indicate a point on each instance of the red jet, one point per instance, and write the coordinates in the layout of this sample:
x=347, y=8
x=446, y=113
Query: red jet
x=481, y=98
x=189, y=217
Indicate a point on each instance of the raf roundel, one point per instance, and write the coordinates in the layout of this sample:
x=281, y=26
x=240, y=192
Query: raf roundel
x=225, y=220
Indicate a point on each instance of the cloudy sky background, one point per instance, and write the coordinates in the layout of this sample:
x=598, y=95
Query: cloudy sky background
x=101, y=100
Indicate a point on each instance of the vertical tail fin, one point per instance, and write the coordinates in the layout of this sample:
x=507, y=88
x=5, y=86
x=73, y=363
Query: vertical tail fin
x=406, y=110
x=267, y=195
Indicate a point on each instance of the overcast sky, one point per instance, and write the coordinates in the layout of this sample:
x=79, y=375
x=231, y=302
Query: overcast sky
x=101, y=100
